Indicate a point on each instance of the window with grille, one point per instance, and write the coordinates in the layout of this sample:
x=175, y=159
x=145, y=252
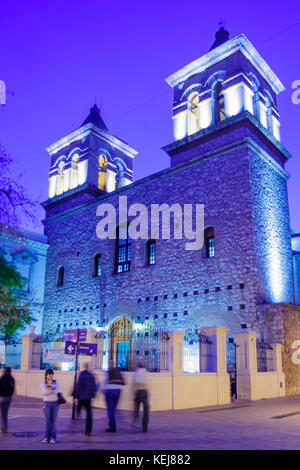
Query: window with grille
x=123, y=251
x=209, y=240
x=97, y=265
x=151, y=252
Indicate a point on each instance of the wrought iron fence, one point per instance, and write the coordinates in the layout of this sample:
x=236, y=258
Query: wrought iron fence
x=125, y=348
x=11, y=351
x=231, y=365
x=197, y=352
x=43, y=357
x=264, y=357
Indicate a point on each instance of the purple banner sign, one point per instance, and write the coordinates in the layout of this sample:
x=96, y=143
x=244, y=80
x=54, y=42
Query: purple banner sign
x=71, y=335
x=88, y=349
x=70, y=348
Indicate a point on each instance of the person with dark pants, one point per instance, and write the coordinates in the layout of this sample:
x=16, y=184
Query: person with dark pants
x=7, y=388
x=50, y=389
x=112, y=391
x=83, y=394
x=140, y=385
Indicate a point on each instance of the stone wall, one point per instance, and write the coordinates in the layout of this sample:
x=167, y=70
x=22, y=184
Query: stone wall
x=184, y=289
x=283, y=326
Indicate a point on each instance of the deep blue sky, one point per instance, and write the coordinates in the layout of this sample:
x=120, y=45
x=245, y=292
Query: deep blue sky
x=57, y=56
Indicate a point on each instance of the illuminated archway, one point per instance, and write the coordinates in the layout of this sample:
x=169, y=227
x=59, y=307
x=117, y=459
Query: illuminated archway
x=121, y=343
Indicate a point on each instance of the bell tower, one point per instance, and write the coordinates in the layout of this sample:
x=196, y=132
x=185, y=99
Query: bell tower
x=230, y=79
x=225, y=110
x=90, y=159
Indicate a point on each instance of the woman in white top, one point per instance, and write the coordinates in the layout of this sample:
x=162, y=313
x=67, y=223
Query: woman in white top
x=50, y=389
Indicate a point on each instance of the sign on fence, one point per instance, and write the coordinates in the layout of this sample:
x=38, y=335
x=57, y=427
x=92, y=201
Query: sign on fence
x=55, y=355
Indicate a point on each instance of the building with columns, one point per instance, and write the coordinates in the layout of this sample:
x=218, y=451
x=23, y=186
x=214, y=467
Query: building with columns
x=227, y=155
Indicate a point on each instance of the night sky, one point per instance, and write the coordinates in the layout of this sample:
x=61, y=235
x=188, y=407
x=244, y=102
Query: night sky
x=58, y=57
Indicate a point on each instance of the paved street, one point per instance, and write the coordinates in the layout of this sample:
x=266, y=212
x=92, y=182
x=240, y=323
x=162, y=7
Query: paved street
x=266, y=424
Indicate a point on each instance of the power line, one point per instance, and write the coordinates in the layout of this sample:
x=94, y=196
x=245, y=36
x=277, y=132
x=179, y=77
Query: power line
x=279, y=33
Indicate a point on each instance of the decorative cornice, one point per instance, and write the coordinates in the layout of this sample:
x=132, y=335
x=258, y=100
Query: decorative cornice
x=85, y=130
x=239, y=43
x=227, y=124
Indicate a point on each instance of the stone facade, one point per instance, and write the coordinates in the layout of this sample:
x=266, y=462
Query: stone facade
x=235, y=167
x=283, y=326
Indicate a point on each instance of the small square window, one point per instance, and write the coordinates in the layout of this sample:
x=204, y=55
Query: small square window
x=242, y=286
x=139, y=301
x=165, y=315
x=156, y=298
x=174, y=314
x=147, y=299
x=175, y=296
x=229, y=308
x=196, y=292
x=155, y=317
x=217, y=289
x=242, y=306
x=165, y=296
x=229, y=287
x=185, y=294
x=185, y=312
x=206, y=291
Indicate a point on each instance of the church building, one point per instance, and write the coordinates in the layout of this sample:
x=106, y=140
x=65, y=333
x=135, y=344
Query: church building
x=228, y=156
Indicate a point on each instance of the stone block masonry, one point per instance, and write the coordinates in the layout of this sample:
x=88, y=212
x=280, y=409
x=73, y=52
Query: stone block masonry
x=283, y=326
x=164, y=294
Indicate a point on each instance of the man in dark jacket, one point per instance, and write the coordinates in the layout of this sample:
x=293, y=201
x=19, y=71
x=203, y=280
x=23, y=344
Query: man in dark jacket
x=7, y=388
x=85, y=390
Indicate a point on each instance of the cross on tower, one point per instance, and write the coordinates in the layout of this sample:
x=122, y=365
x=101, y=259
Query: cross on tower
x=221, y=23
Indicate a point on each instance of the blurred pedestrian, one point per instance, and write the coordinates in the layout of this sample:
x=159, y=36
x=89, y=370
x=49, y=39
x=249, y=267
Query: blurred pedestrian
x=83, y=394
x=112, y=391
x=50, y=389
x=141, y=386
x=7, y=388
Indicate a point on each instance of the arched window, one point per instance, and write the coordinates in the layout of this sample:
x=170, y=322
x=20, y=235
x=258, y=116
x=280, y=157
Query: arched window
x=193, y=114
x=74, y=172
x=123, y=250
x=209, y=242
x=219, y=103
x=151, y=252
x=60, y=178
x=119, y=176
x=97, y=265
x=102, y=172
x=60, y=276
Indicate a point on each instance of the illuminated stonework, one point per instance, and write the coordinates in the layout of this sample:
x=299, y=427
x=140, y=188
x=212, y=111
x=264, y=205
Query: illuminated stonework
x=227, y=155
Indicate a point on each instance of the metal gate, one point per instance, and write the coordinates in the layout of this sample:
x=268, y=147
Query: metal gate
x=231, y=365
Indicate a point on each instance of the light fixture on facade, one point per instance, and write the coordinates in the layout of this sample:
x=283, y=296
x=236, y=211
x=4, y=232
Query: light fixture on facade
x=138, y=324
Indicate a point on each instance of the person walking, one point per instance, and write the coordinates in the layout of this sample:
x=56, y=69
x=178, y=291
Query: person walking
x=7, y=388
x=112, y=391
x=50, y=389
x=83, y=394
x=141, y=385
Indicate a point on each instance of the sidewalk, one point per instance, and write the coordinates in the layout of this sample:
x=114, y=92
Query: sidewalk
x=265, y=424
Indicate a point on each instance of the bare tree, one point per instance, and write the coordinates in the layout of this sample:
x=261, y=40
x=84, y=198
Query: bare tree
x=15, y=205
